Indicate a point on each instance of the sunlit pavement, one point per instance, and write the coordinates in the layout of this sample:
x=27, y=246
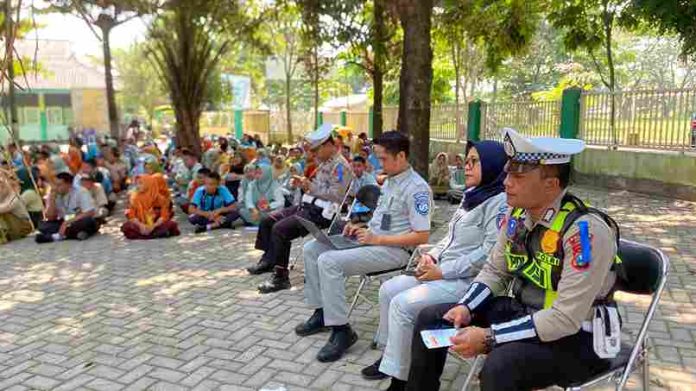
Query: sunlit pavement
x=181, y=313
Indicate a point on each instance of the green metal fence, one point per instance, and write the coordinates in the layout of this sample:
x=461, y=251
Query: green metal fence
x=532, y=118
x=656, y=119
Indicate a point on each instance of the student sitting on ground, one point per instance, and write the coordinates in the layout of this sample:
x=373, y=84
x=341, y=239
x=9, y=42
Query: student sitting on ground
x=184, y=201
x=32, y=199
x=101, y=203
x=457, y=180
x=263, y=196
x=15, y=222
x=149, y=211
x=360, y=176
x=439, y=175
x=69, y=214
x=212, y=206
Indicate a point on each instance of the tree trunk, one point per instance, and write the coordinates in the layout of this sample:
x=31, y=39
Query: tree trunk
x=416, y=79
x=13, y=125
x=288, y=108
x=315, y=81
x=110, y=93
x=457, y=84
x=378, y=73
x=187, y=128
x=608, y=23
x=377, y=105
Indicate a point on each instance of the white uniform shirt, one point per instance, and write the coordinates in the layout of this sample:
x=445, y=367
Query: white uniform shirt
x=408, y=201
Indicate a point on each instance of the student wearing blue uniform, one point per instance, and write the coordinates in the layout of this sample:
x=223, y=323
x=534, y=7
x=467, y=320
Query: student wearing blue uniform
x=212, y=206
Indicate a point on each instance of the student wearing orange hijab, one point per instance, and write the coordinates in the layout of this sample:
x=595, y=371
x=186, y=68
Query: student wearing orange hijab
x=149, y=212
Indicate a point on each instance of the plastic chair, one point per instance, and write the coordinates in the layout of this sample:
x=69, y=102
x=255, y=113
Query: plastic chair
x=643, y=271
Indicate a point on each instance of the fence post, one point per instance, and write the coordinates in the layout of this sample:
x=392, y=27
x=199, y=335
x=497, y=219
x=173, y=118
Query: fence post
x=570, y=113
x=473, y=122
x=43, y=117
x=371, y=121
x=238, y=121
x=344, y=118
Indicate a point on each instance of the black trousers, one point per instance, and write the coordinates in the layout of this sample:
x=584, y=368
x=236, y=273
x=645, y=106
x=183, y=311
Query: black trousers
x=87, y=224
x=513, y=366
x=278, y=229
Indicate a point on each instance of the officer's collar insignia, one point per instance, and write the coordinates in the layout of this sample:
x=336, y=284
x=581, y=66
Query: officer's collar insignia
x=509, y=146
x=549, y=242
x=548, y=215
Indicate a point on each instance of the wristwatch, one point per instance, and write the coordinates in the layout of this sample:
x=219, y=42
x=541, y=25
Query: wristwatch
x=489, y=341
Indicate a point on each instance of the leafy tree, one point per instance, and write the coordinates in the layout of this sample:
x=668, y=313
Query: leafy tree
x=590, y=25
x=670, y=16
x=141, y=89
x=537, y=67
x=458, y=53
x=285, y=41
x=187, y=42
x=316, y=64
x=416, y=78
x=369, y=38
x=106, y=15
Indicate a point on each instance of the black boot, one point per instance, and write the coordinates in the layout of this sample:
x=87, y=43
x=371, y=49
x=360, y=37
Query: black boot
x=396, y=385
x=342, y=338
x=372, y=372
x=264, y=266
x=279, y=280
x=313, y=325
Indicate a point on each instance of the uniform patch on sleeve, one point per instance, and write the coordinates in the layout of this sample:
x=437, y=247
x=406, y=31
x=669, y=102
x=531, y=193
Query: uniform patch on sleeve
x=422, y=202
x=500, y=219
x=581, y=249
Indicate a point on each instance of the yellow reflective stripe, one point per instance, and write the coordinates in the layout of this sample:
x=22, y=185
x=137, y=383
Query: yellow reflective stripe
x=517, y=212
x=549, y=297
x=560, y=218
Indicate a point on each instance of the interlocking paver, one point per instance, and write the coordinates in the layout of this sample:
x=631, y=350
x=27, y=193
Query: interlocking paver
x=108, y=313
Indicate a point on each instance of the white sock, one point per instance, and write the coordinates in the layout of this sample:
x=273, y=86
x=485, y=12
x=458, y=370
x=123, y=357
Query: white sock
x=209, y=227
x=57, y=237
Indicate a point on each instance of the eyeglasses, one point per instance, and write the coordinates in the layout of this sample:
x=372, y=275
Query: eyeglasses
x=472, y=161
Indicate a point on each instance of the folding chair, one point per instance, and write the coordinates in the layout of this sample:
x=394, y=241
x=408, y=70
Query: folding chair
x=643, y=271
x=369, y=277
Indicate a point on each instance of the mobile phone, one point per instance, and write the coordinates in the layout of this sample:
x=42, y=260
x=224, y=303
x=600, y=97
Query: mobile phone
x=410, y=272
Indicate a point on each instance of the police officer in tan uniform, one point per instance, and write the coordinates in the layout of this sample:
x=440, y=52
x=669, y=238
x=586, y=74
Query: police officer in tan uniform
x=532, y=307
x=322, y=197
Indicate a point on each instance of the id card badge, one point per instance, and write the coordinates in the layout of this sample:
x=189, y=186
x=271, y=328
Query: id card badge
x=385, y=225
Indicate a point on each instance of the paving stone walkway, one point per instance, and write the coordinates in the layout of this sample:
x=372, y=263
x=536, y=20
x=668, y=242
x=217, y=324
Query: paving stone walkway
x=181, y=313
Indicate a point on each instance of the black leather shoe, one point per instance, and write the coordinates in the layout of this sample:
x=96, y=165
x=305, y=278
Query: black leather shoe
x=313, y=325
x=342, y=338
x=396, y=385
x=263, y=266
x=279, y=281
x=372, y=372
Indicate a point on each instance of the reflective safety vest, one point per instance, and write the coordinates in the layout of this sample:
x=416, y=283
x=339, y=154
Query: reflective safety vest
x=536, y=280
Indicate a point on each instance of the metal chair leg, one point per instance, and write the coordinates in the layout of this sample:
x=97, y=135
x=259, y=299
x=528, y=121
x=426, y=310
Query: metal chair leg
x=646, y=365
x=363, y=280
x=472, y=372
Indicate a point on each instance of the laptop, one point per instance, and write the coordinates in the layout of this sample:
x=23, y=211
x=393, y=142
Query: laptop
x=336, y=242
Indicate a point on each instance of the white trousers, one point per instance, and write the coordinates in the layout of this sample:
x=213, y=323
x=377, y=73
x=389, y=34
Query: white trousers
x=326, y=270
x=400, y=300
